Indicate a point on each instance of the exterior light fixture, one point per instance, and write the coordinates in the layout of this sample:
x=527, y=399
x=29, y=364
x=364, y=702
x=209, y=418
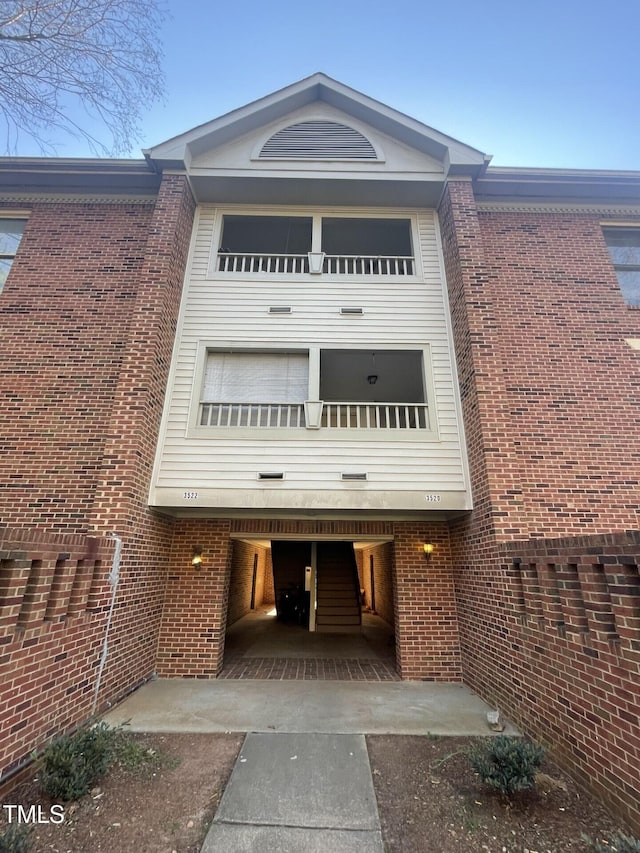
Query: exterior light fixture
x=196, y=559
x=428, y=550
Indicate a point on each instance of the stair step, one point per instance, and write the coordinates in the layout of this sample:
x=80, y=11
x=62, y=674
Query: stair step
x=333, y=610
x=337, y=620
x=338, y=629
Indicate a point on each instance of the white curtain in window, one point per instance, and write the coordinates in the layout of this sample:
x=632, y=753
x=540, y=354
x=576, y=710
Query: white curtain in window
x=245, y=377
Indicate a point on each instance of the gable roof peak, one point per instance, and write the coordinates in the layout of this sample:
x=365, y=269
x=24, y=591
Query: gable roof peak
x=179, y=151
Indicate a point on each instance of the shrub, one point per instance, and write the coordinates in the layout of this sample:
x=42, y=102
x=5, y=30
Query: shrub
x=73, y=763
x=508, y=764
x=15, y=839
x=618, y=844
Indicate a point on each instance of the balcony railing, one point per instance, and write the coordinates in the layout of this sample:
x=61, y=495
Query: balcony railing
x=387, y=416
x=375, y=416
x=252, y=415
x=374, y=265
x=272, y=263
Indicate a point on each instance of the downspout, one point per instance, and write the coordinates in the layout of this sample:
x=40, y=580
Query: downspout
x=114, y=577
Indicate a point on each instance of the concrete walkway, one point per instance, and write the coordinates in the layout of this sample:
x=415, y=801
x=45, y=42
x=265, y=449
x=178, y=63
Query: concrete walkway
x=302, y=782
x=331, y=707
x=297, y=793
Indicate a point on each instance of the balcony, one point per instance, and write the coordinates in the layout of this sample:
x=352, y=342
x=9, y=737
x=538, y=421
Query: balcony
x=301, y=245
x=352, y=416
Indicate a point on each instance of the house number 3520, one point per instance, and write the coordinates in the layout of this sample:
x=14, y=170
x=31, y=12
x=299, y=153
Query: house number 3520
x=190, y=496
x=432, y=499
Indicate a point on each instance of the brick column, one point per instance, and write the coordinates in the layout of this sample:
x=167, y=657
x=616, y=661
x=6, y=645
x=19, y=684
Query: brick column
x=427, y=645
x=194, y=618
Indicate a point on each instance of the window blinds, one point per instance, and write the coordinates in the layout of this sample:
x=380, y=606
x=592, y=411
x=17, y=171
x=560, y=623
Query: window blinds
x=256, y=378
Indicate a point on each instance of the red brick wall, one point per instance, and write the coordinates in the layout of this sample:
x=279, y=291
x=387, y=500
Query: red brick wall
x=54, y=600
x=195, y=608
x=241, y=580
x=569, y=380
x=90, y=308
x=382, y=556
x=65, y=318
x=574, y=625
x=547, y=387
x=426, y=629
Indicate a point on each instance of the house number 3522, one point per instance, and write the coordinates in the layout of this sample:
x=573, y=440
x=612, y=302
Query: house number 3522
x=190, y=496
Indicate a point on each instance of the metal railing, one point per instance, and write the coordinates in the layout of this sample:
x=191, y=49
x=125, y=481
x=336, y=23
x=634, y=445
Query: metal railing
x=390, y=416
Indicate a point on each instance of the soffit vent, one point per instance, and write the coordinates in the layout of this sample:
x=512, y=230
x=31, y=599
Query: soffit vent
x=316, y=140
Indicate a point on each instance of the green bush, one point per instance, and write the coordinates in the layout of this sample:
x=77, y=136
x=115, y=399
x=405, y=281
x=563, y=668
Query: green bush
x=73, y=763
x=14, y=839
x=618, y=844
x=508, y=764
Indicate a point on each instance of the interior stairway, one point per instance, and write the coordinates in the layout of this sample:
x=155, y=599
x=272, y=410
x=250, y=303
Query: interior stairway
x=338, y=589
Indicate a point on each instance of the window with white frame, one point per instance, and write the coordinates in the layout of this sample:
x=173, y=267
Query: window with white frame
x=330, y=245
x=624, y=249
x=10, y=235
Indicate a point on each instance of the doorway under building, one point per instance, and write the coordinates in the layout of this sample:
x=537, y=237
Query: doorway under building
x=319, y=609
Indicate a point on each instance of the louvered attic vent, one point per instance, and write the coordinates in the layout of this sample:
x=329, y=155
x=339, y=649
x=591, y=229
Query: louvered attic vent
x=315, y=140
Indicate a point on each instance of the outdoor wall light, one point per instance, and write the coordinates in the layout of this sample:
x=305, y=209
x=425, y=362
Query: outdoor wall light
x=428, y=550
x=196, y=559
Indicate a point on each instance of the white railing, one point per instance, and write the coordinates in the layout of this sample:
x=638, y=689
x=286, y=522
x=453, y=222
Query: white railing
x=375, y=416
x=368, y=265
x=271, y=263
x=376, y=265
x=252, y=414
x=334, y=415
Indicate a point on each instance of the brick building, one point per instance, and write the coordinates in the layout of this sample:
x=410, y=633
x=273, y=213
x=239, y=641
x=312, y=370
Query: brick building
x=302, y=342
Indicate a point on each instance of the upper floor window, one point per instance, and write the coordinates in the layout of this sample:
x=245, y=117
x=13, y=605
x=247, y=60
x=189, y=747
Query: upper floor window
x=364, y=246
x=10, y=234
x=624, y=248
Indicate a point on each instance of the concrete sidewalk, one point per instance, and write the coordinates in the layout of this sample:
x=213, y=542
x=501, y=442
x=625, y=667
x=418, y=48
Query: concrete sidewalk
x=333, y=707
x=298, y=793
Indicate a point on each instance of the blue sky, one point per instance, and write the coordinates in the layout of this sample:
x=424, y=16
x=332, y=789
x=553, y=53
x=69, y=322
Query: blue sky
x=553, y=83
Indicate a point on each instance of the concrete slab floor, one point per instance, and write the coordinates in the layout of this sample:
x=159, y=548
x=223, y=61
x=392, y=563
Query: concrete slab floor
x=406, y=707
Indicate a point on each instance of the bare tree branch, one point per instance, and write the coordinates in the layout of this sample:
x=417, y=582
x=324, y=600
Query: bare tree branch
x=102, y=54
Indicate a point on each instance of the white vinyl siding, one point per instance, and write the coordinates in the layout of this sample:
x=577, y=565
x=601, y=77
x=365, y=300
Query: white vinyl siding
x=403, y=471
